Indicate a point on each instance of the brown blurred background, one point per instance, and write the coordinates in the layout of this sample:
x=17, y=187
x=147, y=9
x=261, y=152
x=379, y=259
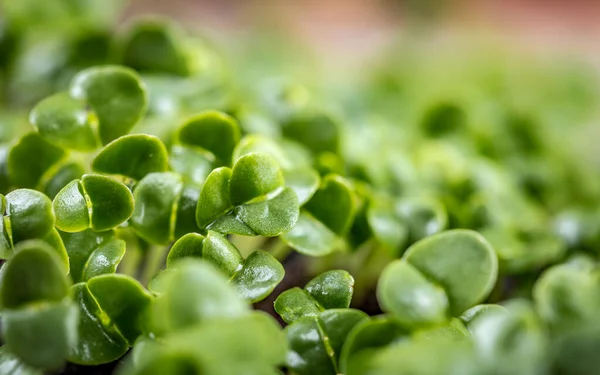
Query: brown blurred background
x=357, y=28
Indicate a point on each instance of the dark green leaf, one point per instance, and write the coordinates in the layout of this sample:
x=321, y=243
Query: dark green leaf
x=254, y=176
x=117, y=96
x=296, y=303
x=133, y=156
x=111, y=201
x=332, y=289
x=260, y=274
x=30, y=213
x=30, y=159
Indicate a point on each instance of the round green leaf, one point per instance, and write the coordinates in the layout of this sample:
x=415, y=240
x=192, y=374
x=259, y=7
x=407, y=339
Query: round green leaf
x=155, y=45
x=332, y=289
x=30, y=213
x=373, y=333
x=254, y=175
x=30, y=159
x=462, y=262
x=60, y=178
x=71, y=208
x=273, y=216
x=310, y=236
x=193, y=164
x=111, y=201
x=422, y=217
x=99, y=340
x=185, y=222
x=316, y=131
x=213, y=131
x=304, y=182
x=123, y=300
x=66, y=122
x=333, y=204
x=214, y=198
x=193, y=292
x=413, y=300
x=260, y=274
x=133, y=156
x=296, y=303
x=41, y=335
x=117, y=96
x=189, y=245
x=154, y=214
x=33, y=274
x=222, y=254
x=92, y=253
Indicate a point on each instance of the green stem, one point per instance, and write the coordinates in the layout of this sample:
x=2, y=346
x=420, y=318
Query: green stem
x=280, y=250
x=154, y=261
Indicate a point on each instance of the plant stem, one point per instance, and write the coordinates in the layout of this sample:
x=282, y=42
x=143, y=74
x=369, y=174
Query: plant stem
x=154, y=261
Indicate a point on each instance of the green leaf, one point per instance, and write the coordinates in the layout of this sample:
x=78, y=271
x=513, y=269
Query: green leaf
x=156, y=45
x=66, y=173
x=41, y=335
x=472, y=316
x=329, y=290
x=296, y=303
x=92, y=254
x=30, y=214
x=304, y=182
x=185, y=222
x=190, y=245
x=324, y=218
x=123, y=300
x=255, y=277
x=462, y=262
x=192, y=292
x=96, y=201
x=316, y=131
x=192, y=164
x=316, y=342
x=310, y=237
x=264, y=206
x=212, y=131
x=116, y=95
x=156, y=197
x=254, y=176
x=372, y=333
x=31, y=159
x=12, y=365
x=422, y=217
x=332, y=289
x=214, y=198
x=385, y=226
x=65, y=121
x=259, y=276
x=133, y=156
x=34, y=274
x=413, y=300
x=99, y=340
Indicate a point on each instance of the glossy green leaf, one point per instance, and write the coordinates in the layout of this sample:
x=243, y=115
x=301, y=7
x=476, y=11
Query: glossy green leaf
x=462, y=262
x=65, y=121
x=96, y=201
x=31, y=159
x=254, y=176
x=12, y=365
x=192, y=164
x=212, y=131
x=190, y=245
x=304, y=182
x=60, y=178
x=6, y=244
x=472, y=316
x=316, y=342
x=185, y=221
x=123, y=300
x=214, y=198
x=99, y=340
x=332, y=289
x=92, y=253
x=254, y=277
x=193, y=292
x=34, y=274
x=296, y=303
x=30, y=214
x=324, y=218
x=386, y=227
x=372, y=333
x=264, y=207
x=116, y=95
x=133, y=156
x=41, y=335
x=156, y=197
x=407, y=294
x=259, y=276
